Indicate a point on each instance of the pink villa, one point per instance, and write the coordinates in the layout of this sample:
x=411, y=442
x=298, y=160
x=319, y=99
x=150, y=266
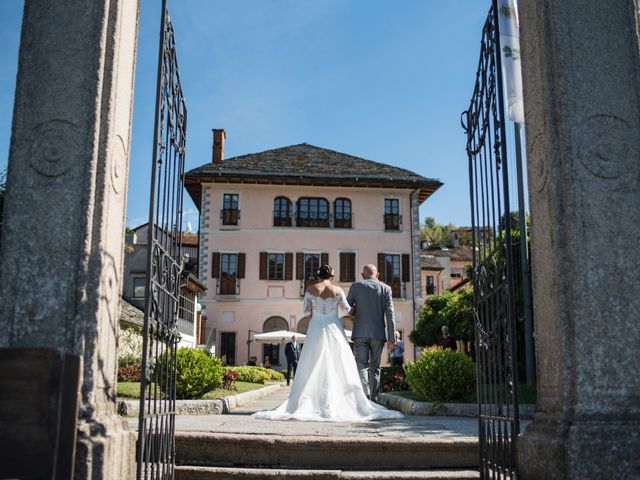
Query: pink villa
x=268, y=220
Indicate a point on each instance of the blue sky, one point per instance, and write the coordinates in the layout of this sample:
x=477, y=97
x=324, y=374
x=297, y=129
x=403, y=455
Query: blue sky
x=382, y=80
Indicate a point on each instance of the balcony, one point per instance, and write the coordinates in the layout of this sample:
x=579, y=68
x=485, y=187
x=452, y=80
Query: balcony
x=228, y=286
x=342, y=220
x=392, y=221
x=281, y=221
x=313, y=222
x=229, y=216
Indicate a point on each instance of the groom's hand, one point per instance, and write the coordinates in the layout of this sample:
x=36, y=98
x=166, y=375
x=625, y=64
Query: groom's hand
x=390, y=345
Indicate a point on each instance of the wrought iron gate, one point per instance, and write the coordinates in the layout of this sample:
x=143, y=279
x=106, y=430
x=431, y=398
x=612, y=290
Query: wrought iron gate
x=156, y=448
x=500, y=262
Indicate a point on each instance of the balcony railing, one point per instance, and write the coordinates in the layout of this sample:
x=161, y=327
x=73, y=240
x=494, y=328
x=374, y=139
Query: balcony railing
x=392, y=221
x=228, y=286
x=342, y=220
x=229, y=216
x=310, y=222
x=281, y=221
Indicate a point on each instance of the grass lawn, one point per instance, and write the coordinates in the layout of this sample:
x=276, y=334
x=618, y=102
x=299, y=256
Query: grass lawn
x=132, y=390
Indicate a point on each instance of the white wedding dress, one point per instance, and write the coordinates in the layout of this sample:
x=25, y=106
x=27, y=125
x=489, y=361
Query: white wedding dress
x=327, y=385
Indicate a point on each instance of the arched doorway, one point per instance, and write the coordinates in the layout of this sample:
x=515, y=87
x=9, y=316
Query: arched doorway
x=274, y=352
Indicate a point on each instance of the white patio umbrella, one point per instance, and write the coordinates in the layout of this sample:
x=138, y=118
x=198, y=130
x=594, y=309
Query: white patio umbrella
x=278, y=335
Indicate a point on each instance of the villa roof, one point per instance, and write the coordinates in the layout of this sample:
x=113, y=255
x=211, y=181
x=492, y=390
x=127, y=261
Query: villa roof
x=463, y=253
x=306, y=164
x=429, y=262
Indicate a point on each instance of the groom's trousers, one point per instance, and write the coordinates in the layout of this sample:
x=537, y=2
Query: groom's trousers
x=368, y=354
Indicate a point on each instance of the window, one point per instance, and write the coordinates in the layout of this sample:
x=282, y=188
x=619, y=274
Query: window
x=307, y=264
x=276, y=266
x=229, y=268
x=392, y=218
x=313, y=212
x=347, y=267
x=392, y=273
x=228, y=273
x=342, y=213
x=431, y=287
x=139, y=287
x=230, y=213
x=311, y=265
x=281, y=212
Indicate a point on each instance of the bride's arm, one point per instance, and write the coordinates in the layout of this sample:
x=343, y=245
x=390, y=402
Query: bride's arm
x=342, y=301
x=308, y=305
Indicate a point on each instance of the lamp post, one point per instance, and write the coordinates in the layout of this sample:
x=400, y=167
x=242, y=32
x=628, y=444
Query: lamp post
x=249, y=344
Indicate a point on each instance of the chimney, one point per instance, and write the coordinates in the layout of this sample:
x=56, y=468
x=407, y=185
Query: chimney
x=218, y=145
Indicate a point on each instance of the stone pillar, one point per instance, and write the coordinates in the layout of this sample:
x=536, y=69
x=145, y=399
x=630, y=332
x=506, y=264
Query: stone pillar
x=62, y=243
x=581, y=73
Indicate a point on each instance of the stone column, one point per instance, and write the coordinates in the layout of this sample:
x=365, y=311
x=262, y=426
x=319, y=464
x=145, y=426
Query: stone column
x=581, y=73
x=62, y=243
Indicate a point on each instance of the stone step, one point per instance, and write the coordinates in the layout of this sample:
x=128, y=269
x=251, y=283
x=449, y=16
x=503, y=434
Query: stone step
x=226, y=473
x=325, y=453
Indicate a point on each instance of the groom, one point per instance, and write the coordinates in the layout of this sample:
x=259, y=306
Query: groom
x=292, y=352
x=372, y=302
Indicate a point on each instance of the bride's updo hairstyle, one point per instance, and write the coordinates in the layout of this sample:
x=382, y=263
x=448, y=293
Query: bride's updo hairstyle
x=326, y=272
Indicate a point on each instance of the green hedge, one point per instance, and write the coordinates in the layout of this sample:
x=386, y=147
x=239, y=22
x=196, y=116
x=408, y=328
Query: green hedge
x=256, y=374
x=197, y=372
x=442, y=375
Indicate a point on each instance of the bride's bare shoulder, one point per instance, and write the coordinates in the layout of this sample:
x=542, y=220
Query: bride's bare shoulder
x=337, y=290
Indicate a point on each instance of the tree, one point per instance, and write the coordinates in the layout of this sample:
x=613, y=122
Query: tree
x=453, y=309
x=437, y=234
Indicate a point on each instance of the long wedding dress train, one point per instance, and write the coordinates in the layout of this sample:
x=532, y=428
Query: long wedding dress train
x=327, y=385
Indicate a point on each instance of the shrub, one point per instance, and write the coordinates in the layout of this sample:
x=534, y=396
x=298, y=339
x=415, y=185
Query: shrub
x=250, y=374
x=442, y=375
x=454, y=309
x=229, y=378
x=273, y=374
x=197, y=372
x=392, y=379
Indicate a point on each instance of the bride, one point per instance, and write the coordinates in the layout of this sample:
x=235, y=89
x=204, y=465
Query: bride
x=327, y=385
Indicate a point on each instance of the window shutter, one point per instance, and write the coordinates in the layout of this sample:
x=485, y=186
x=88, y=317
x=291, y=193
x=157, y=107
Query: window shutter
x=324, y=259
x=215, y=265
x=299, y=266
x=351, y=267
x=288, y=266
x=263, y=266
x=406, y=269
x=381, y=266
x=343, y=267
x=242, y=260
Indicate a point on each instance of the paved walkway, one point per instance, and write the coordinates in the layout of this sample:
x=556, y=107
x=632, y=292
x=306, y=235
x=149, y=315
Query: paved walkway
x=240, y=422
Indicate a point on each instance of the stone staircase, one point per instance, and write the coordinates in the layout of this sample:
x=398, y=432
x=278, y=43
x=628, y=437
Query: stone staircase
x=218, y=456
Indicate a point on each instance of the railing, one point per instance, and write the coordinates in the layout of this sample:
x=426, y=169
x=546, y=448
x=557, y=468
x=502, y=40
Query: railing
x=342, y=220
x=229, y=216
x=228, y=286
x=392, y=221
x=313, y=222
x=280, y=220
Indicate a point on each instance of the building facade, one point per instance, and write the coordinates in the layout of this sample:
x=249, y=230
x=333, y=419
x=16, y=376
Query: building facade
x=190, y=323
x=269, y=220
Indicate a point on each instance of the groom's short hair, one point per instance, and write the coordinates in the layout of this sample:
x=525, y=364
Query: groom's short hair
x=369, y=270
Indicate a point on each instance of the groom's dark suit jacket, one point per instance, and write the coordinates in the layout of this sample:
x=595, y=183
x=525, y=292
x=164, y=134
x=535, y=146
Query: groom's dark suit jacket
x=373, y=302
x=291, y=353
